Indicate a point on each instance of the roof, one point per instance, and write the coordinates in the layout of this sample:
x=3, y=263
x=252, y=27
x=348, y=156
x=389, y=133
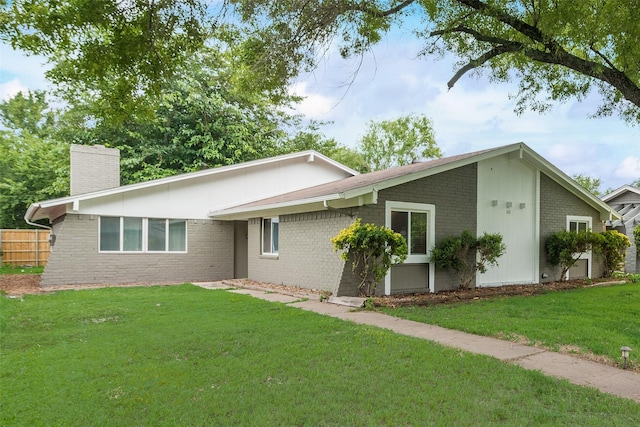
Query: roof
x=45, y=209
x=630, y=210
x=619, y=191
x=363, y=189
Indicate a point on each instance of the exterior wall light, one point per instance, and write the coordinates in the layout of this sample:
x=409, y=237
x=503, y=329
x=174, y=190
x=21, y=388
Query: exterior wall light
x=625, y=355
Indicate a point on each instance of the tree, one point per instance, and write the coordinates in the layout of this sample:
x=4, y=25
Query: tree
x=34, y=164
x=612, y=245
x=556, y=49
x=466, y=254
x=589, y=183
x=372, y=250
x=636, y=238
x=564, y=248
x=398, y=142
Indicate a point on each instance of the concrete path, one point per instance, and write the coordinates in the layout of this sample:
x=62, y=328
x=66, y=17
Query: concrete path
x=577, y=371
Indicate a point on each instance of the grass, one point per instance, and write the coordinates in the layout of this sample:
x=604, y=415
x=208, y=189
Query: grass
x=11, y=269
x=183, y=355
x=597, y=320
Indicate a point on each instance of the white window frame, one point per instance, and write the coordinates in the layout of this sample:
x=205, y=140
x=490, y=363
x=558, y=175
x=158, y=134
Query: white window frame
x=587, y=255
x=145, y=236
x=430, y=210
x=270, y=252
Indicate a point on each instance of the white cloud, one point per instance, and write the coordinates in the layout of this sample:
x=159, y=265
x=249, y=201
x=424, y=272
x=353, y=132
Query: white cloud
x=11, y=88
x=314, y=105
x=629, y=168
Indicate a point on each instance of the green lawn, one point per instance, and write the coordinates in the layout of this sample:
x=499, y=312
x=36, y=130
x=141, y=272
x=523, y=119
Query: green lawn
x=10, y=269
x=183, y=355
x=596, y=320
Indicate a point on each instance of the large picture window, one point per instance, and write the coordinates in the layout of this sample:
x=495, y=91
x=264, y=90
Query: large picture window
x=270, y=228
x=128, y=234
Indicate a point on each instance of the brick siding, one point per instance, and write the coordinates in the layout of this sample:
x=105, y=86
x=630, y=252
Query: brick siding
x=556, y=203
x=75, y=258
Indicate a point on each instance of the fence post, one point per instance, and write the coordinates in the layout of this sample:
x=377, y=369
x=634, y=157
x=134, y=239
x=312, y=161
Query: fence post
x=37, y=247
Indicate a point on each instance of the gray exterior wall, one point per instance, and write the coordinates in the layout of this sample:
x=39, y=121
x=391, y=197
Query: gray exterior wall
x=94, y=168
x=454, y=194
x=632, y=257
x=75, y=258
x=556, y=204
x=305, y=255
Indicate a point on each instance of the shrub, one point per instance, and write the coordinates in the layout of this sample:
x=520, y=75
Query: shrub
x=612, y=245
x=636, y=238
x=564, y=248
x=455, y=252
x=372, y=250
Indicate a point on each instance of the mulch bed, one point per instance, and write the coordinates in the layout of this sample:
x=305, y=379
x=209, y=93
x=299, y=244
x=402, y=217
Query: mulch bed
x=462, y=295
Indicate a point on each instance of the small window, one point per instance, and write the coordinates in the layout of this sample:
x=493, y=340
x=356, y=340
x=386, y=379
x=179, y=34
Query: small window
x=270, y=236
x=578, y=226
x=109, y=233
x=132, y=237
x=157, y=231
x=413, y=227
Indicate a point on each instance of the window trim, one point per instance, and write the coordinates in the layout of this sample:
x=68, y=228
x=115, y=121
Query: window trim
x=145, y=236
x=271, y=253
x=430, y=210
x=587, y=255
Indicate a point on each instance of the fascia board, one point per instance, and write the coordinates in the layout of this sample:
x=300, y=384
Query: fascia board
x=220, y=214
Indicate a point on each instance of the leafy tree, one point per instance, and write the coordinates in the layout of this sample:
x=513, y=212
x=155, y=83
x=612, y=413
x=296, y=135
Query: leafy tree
x=556, y=49
x=398, y=142
x=612, y=245
x=636, y=183
x=372, y=250
x=120, y=51
x=589, y=183
x=465, y=255
x=564, y=248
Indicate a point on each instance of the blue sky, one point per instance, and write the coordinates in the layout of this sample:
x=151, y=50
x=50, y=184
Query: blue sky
x=474, y=115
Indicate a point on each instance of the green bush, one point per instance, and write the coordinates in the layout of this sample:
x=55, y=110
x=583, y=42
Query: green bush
x=636, y=238
x=564, y=248
x=458, y=254
x=612, y=245
x=372, y=250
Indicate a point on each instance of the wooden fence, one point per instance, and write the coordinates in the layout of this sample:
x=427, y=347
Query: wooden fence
x=24, y=247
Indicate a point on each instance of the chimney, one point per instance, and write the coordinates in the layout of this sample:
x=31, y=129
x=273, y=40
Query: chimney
x=94, y=168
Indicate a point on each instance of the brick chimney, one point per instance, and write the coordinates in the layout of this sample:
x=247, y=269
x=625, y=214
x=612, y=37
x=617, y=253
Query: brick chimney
x=94, y=168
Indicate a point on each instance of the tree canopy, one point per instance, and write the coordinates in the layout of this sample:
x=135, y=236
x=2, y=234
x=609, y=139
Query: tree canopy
x=398, y=142
x=554, y=49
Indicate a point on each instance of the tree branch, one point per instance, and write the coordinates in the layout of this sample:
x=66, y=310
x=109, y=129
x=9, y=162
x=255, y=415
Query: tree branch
x=497, y=51
x=382, y=13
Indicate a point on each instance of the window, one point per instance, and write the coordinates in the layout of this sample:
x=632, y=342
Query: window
x=270, y=236
x=576, y=226
x=413, y=227
x=127, y=234
x=416, y=223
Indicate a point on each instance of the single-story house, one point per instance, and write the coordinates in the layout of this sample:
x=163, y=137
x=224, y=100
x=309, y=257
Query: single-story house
x=626, y=200
x=271, y=220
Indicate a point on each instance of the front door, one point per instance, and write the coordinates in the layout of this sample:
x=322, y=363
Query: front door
x=241, y=250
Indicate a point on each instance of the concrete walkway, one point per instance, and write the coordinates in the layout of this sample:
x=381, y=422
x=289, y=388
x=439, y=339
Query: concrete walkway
x=577, y=371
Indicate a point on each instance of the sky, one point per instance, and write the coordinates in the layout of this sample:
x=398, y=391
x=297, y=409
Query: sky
x=475, y=114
